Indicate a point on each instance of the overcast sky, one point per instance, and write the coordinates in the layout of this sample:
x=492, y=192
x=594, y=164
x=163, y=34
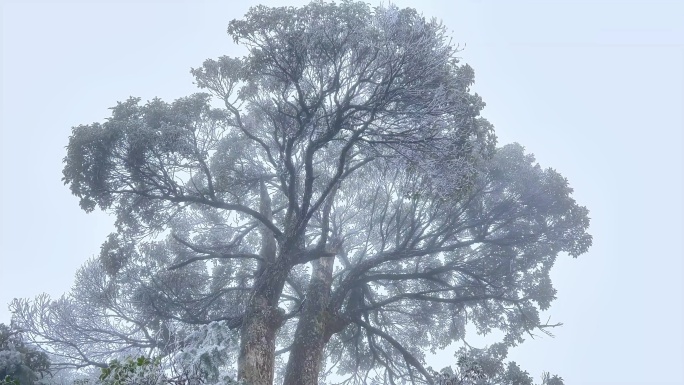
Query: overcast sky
x=595, y=89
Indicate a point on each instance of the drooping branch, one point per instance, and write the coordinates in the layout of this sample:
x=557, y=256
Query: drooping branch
x=408, y=357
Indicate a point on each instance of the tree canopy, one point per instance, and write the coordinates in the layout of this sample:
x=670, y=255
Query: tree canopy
x=335, y=197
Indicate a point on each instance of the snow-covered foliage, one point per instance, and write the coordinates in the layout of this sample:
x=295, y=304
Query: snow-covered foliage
x=20, y=361
x=212, y=351
x=200, y=355
x=205, y=356
x=10, y=362
x=486, y=366
x=349, y=140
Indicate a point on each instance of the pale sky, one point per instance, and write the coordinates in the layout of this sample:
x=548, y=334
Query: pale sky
x=595, y=89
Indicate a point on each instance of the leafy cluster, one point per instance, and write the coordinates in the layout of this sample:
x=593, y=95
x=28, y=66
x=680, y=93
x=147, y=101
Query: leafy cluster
x=487, y=367
x=129, y=371
x=20, y=363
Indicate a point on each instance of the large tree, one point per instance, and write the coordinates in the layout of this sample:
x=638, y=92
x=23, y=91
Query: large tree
x=345, y=204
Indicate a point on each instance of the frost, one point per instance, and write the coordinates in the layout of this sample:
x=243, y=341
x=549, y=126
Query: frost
x=211, y=350
x=10, y=361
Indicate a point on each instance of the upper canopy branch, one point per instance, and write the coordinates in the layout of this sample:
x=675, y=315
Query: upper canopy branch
x=211, y=203
x=356, y=274
x=209, y=254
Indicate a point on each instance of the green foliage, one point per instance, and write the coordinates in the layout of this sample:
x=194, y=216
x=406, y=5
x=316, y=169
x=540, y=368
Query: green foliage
x=8, y=380
x=120, y=373
x=19, y=361
x=144, y=370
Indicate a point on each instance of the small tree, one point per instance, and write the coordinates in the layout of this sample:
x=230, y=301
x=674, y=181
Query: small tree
x=20, y=362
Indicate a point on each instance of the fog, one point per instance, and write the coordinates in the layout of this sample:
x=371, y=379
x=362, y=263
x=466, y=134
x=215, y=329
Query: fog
x=594, y=90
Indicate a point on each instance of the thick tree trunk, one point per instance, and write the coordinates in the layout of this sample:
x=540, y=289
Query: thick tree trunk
x=306, y=356
x=262, y=317
x=257, y=343
x=260, y=324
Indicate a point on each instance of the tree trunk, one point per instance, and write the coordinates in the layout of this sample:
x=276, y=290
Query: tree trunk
x=306, y=356
x=262, y=317
x=257, y=343
x=260, y=324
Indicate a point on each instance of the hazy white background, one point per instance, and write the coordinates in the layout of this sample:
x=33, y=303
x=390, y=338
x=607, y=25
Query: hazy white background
x=594, y=88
